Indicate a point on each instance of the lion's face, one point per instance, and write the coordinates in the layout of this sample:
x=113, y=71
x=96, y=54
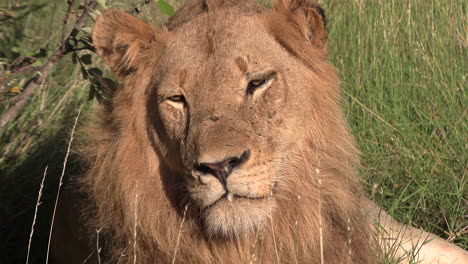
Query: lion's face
x=233, y=115
x=227, y=104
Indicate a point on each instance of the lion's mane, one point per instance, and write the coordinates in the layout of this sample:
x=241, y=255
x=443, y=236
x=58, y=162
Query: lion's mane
x=134, y=207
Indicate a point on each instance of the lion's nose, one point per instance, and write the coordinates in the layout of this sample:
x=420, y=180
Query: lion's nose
x=221, y=170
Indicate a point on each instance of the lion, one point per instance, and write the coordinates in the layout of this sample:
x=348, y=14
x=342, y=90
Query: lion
x=225, y=143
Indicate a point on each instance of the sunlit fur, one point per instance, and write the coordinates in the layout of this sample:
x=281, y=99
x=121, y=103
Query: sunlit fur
x=134, y=181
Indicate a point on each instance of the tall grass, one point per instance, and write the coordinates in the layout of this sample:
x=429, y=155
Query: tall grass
x=403, y=71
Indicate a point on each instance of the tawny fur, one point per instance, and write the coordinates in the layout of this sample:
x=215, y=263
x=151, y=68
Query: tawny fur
x=140, y=202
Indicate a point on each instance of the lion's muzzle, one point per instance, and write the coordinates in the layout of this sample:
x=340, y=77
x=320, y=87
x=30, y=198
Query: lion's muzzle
x=222, y=169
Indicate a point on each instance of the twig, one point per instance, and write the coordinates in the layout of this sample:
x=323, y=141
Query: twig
x=35, y=213
x=30, y=87
x=71, y=4
x=98, y=248
x=88, y=257
x=15, y=68
x=61, y=181
x=138, y=7
x=122, y=254
x=18, y=61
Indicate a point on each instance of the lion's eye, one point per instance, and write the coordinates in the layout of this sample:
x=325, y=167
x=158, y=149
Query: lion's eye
x=254, y=85
x=177, y=99
x=260, y=81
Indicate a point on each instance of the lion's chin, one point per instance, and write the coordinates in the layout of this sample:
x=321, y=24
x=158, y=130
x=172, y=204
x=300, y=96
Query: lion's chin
x=237, y=217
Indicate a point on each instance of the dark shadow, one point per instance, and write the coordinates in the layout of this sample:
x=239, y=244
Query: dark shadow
x=173, y=182
x=19, y=188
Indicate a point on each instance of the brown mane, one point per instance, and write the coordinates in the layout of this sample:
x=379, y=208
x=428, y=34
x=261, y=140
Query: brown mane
x=140, y=210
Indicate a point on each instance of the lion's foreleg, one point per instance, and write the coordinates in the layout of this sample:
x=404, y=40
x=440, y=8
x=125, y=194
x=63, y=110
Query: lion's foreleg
x=412, y=245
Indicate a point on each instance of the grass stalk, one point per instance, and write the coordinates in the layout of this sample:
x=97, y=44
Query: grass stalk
x=179, y=234
x=35, y=213
x=61, y=182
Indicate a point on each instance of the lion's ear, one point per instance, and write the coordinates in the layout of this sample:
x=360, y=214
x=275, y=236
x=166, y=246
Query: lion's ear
x=120, y=39
x=308, y=18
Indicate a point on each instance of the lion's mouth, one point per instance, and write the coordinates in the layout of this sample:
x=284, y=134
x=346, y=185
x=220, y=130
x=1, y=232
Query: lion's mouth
x=231, y=198
x=233, y=215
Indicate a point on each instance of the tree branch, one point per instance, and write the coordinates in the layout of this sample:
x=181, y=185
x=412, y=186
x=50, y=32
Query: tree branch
x=137, y=8
x=71, y=4
x=44, y=71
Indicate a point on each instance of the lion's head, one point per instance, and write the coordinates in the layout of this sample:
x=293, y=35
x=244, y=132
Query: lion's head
x=227, y=126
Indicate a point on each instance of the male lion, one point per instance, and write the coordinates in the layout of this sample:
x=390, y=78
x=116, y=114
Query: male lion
x=225, y=144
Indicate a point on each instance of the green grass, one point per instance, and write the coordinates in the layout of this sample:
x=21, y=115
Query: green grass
x=403, y=71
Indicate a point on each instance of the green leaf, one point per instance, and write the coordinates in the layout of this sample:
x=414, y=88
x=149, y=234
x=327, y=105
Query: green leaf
x=96, y=72
x=165, y=7
x=37, y=64
x=92, y=92
x=87, y=30
x=15, y=49
x=108, y=86
x=94, y=14
x=86, y=59
x=102, y=3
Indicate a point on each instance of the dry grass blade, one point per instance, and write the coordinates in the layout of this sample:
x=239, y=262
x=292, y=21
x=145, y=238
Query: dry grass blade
x=98, y=248
x=135, y=230
x=319, y=184
x=274, y=240
x=61, y=181
x=35, y=213
x=178, y=235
